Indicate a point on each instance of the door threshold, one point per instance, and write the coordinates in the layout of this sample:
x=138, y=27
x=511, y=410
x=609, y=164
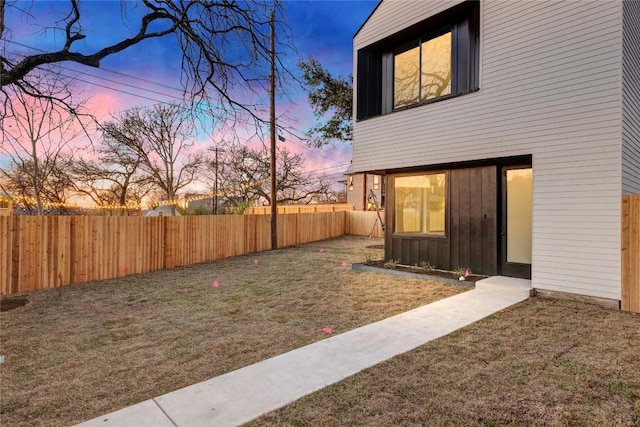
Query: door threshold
x=511, y=285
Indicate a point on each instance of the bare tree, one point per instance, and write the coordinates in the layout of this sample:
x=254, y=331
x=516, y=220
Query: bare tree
x=223, y=47
x=161, y=139
x=243, y=177
x=57, y=185
x=115, y=178
x=35, y=138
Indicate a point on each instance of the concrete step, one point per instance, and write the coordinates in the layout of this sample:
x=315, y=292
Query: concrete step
x=509, y=285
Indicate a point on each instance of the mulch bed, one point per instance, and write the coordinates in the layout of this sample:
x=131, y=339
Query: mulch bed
x=417, y=270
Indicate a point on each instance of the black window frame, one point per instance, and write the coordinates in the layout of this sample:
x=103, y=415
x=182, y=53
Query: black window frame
x=418, y=42
x=447, y=203
x=375, y=63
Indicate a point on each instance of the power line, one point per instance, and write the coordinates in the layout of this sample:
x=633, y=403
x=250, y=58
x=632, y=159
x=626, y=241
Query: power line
x=310, y=151
x=101, y=68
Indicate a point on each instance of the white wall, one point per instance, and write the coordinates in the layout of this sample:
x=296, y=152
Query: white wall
x=356, y=197
x=550, y=86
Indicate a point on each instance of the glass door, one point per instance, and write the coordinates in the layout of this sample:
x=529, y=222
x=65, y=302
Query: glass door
x=517, y=220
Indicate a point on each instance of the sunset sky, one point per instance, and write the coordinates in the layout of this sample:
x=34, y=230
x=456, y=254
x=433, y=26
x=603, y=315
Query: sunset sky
x=149, y=72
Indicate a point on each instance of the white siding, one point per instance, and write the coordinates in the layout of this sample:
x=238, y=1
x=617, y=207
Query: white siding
x=356, y=197
x=550, y=86
x=631, y=98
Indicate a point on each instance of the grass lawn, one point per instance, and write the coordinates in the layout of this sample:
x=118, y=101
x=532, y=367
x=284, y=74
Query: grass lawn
x=541, y=362
x=77, y=352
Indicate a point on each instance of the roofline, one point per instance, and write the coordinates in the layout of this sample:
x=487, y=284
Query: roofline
x=368, y=17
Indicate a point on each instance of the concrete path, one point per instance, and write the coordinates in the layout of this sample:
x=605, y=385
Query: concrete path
x=245, y=394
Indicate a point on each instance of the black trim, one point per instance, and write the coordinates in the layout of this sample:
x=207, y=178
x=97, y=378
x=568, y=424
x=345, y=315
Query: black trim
x=375, y=62
x=500, y=161
x=505, y=268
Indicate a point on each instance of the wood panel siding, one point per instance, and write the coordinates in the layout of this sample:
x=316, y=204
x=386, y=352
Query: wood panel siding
x=631, y=253
x=471, y=232
x=631, y=98
x=550, y=87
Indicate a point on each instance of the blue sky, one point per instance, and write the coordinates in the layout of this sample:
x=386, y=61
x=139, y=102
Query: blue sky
x=323, y=29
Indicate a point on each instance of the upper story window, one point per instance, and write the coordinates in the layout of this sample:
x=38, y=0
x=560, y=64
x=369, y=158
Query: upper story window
x=422, y=70
x=435, y=59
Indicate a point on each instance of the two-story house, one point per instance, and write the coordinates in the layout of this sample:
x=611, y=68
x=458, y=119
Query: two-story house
x=506, y=131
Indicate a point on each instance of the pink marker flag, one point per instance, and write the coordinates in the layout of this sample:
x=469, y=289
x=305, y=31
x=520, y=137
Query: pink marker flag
x=126, y=270
x=321, y=249
x=467, y=273
x=216, y=284
x=255, y=261
x=344, y=263
x=327, y=330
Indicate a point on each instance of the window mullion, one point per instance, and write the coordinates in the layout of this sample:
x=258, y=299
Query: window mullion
x=420, y=70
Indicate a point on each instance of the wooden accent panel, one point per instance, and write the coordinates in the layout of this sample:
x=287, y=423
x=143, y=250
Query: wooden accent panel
x=489, y=224
x=471, y=239
x=630, y=253
x=473, y=219
x=47, y=252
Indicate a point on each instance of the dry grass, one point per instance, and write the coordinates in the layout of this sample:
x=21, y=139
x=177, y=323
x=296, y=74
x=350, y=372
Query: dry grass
x=542, y=362
x=80, y=351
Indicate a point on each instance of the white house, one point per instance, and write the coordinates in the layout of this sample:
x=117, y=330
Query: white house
x=507, y=133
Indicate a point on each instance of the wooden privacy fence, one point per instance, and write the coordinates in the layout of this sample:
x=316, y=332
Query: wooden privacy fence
x=630, y=253
x=362, y=223
x=51, y=251
x=291, y=209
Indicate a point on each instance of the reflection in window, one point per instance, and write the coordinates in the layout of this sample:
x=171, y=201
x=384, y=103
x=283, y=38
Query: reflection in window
x=436, y=67
x=422, y=72
x=406, y=82
x=420, y=204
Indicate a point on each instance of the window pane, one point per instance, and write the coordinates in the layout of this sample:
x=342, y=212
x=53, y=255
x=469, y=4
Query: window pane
x=436, y=67
x=406, y=80
x=519, y=216
x=420, y=204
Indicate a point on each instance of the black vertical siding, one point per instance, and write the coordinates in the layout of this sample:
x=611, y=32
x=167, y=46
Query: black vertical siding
x=489, y=232
x=471, y=239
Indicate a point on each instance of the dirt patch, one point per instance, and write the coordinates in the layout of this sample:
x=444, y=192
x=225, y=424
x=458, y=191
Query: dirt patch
x=13, y=302
x=375, y=247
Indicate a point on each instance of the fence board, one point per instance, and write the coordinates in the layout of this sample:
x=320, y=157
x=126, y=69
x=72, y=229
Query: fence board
x=47, y=252
x=361, y=223
x=630, y=253
x=294, y=209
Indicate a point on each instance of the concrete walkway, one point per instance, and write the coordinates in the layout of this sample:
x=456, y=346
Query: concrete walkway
x=245, y=394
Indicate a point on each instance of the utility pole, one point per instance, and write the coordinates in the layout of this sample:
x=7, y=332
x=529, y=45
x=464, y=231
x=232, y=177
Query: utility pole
x=214, y=199
x=272, y=105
